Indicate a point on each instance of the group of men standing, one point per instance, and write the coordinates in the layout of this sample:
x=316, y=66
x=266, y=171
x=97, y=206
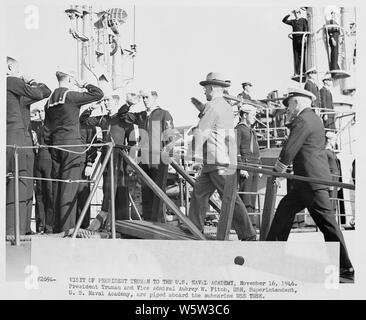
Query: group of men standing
x=63, y=161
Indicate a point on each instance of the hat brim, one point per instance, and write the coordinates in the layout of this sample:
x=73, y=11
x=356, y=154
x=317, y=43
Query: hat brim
x=285, y=101
x=215, y=83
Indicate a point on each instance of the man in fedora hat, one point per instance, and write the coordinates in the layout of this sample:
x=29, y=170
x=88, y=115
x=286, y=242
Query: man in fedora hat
x=312, y=86
x=326, y=102
x=213, y=134
x=248, y=154
x=62, y=128
x=298, y=24
x=245, y=94
x=305, y=149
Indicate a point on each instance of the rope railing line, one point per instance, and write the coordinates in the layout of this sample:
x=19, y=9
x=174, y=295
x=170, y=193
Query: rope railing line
x=243, y=166
x=50, y=179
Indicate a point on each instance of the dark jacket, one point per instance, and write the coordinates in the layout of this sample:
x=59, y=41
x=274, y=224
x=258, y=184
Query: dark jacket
x=313, y=88
x=118, y=126
x=26, y=102
x=244, y=135
x=326, y=99
x=38, y=128
x=297, y=25
x=62, y=113
x=15, y=89
x=305, y=148
x=158, y=126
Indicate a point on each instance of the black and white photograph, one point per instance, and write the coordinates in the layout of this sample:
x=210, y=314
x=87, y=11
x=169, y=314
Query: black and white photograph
x=182, y=151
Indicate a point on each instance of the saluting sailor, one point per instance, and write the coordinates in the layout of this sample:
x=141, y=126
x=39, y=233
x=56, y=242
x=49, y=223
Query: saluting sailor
x=62, y=128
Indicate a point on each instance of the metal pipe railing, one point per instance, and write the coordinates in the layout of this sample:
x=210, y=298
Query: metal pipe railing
x=16, y=198
x=113, y=196
x=95, y=187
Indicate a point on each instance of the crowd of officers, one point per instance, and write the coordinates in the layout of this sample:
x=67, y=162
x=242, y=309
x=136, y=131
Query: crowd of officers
x=66, y=132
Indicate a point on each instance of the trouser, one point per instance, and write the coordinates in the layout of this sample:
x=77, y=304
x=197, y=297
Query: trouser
x=43, y=193
x=249, y=184
x=333, y=63
x=121, y=198
x=65, y=166
x=296, y=48
x=318, y=204
x=152, y=205
x=83, y=194
x=204, y=187
x=25, y=164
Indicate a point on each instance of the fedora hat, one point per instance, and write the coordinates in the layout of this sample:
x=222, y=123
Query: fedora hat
x=217, y=79
x=296, y=92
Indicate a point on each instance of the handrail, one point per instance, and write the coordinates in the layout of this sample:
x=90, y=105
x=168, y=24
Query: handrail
x=296, y=177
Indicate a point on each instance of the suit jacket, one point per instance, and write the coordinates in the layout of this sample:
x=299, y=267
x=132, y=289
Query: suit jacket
x=326, y=99
x=16, y=88
x=305, y=148
x=311, y=86
x=243, y=140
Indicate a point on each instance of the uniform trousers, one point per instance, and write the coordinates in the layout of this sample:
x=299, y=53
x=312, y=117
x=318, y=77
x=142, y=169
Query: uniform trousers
x=204, y=187
x=152, y=205
x=83, y=194
x=318, y=204
x=65, y=166
x=296, y=48
x=43, y=193
x=25, y=163
x=121, y=198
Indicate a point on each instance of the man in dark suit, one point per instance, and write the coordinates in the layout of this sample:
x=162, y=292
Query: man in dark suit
x=312, y=86
x=298, y=25
x=117, y=127
x=42, y=169
x=248, y=154
x=326, y=102
x=305, y=149
x=246, y=91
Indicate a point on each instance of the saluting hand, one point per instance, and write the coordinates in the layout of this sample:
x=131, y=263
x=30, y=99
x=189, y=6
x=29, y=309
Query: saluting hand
x=198, y=104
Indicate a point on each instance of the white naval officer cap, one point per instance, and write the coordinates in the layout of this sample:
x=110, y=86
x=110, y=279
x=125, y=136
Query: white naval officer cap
x=297, y=92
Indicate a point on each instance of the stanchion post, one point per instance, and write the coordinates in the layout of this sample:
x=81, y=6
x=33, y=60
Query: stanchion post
x=112, y=206
x=16, y=198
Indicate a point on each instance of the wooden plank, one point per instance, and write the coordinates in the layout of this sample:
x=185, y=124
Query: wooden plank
x=150, y=183
x=147, y=230
x=191, y=181
x=268, y=207
x=227, y=208
x=174, y=232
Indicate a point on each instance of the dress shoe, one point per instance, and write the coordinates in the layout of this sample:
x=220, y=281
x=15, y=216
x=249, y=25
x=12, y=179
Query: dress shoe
x=347, y=273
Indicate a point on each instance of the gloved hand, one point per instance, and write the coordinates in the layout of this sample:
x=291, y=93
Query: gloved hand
x=244, y=173
x=88, y=171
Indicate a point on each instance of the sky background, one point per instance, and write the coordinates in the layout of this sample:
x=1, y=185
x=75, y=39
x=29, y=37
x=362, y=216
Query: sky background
x=177, y=46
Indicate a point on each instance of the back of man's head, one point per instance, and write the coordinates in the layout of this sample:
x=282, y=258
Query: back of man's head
x=302, y=102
